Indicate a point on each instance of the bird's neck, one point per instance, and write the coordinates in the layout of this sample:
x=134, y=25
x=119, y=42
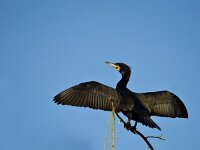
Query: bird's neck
x=123, y=82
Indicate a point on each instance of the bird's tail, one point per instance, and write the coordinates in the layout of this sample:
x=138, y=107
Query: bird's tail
x=147, y=121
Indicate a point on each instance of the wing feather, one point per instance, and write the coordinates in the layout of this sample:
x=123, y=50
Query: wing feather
x=163, y=103
x=89, y=94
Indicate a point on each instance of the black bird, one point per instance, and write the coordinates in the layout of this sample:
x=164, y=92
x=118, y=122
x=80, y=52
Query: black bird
x=135, y=106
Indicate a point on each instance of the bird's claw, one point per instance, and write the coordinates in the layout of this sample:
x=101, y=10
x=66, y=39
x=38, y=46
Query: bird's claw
x=133, y=128
x=127, y=126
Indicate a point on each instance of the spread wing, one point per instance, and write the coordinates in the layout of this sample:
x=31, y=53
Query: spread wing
x=89, y=94
x=163, y=103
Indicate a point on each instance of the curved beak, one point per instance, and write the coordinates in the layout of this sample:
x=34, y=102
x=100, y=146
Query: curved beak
x=113, y=65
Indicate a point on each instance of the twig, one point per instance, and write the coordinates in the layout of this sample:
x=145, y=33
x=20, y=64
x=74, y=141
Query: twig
x=135, y=131
x=157, y=137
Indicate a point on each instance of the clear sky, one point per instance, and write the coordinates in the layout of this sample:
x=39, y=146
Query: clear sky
x=47, y=46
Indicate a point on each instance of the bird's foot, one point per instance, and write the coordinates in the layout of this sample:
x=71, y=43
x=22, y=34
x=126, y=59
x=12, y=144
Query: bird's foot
x=133, y=127
x=127, y=126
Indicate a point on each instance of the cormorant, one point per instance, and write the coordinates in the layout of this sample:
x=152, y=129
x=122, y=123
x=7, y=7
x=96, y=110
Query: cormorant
x=135, y=106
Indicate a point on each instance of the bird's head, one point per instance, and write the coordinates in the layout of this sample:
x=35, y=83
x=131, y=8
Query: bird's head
x=121, y=67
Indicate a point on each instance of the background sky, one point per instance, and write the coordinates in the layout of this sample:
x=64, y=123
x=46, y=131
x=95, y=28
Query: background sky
x=47, y=46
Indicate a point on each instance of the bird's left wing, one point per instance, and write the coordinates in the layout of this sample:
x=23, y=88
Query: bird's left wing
x=163, y=103
x=89, y=94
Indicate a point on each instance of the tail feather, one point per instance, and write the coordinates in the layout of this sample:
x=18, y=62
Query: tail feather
x=147, y=121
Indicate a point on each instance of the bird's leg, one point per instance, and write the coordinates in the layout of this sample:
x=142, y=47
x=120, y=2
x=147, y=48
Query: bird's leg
x=134, y=127
x=128, y=123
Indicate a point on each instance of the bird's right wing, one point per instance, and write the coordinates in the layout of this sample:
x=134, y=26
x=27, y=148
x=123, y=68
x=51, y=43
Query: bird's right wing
x=163, y=103
x=89, y=94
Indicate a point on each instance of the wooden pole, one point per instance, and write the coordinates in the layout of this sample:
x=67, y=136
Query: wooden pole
x=113, y=127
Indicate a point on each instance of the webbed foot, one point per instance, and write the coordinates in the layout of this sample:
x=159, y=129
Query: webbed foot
x=127, y=126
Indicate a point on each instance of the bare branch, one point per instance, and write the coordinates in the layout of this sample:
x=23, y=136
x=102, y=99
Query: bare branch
x=135, y=131
x=157, y=137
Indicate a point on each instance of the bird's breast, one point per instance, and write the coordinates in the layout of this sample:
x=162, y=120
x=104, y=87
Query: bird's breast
x=126, y=101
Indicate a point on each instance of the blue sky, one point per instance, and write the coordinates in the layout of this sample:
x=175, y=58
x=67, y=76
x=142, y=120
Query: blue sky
x=48, y=46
